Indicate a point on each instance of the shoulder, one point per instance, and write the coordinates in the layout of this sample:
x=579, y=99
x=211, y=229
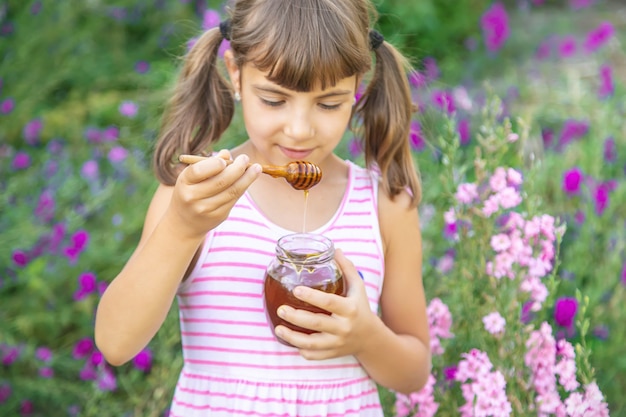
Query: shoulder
x=398, y=219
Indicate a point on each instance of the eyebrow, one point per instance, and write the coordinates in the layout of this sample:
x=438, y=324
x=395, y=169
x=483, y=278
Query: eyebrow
x=273, y=90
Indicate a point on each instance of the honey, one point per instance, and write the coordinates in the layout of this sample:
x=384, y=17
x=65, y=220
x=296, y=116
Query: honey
x=301, y=259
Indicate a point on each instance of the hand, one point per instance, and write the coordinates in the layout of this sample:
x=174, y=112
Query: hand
x=206, y=191
x=341, y=333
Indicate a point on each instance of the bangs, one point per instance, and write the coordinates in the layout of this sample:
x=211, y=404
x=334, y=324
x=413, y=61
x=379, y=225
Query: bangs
x=311, y=45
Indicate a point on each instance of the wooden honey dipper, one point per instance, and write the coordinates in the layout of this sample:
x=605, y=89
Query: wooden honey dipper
x=301, y=175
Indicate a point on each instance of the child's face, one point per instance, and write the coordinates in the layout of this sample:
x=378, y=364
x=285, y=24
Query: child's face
x=285, y=125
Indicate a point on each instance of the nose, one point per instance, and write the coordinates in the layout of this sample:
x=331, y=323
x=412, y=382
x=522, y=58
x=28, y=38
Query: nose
x=299, y=125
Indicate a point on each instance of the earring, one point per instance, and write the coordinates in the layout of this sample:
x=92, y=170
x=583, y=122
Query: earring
x=237, y=96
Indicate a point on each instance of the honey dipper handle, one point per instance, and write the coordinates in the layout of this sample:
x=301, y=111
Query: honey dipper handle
x=274, y=171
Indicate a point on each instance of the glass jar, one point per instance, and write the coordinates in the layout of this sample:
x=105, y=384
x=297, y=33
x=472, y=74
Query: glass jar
x=301, y=259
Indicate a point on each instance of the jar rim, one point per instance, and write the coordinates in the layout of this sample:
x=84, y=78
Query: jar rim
x=315, y=248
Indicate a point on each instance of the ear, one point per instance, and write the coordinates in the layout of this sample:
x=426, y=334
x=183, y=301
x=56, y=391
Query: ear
x=234, y=72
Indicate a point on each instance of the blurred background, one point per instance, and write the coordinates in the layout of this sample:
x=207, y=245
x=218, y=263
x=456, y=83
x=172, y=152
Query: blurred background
x=82, y=87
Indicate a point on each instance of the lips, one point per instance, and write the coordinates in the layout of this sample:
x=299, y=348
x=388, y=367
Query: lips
x=296, y=153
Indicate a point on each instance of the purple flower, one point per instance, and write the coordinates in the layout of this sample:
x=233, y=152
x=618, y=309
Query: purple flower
x=464, y=131
x=580, y=4
x=117, y=154
x=610, y=150
x=565, y=310
x=93, y=135
x=96, y=359
x=90, y=169
x=9, y=354
x=44, y=354
x=431, y=68
x=46, y=372
x=417, y=79
x=567, y=47
x=5, y=392
x=142, y=67
x=527, y=315
x=606, y=87
x=32, y=130
x=623, y=277
x=572, y=179
x=143, y=360
x=224, y=46
x=83, y=348
x=601, y=332
x=20, y=258
x=26, y=408
x=601, y=196
x=45, y=206
x=354, y=147
x=449, y=372
x=7, y=105
x=110, y=134
x=415, y=137
x=86, y=285
x=107, y=381
x=444, y=101
x=36, y=7
x=572, y=129
x=599, y=36
x=547, y=136
x=128, y=109
x=88, y=373
x=21, y=160
x=495, y=26
x=210, y=19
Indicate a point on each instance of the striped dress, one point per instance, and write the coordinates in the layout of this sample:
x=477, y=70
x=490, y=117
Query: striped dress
x=233, y=366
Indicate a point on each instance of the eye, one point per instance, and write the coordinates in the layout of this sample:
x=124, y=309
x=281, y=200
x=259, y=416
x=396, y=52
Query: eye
x=330, y=106
x=272, y=103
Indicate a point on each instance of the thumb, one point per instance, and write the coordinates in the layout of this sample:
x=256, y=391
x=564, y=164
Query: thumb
x=352, y=277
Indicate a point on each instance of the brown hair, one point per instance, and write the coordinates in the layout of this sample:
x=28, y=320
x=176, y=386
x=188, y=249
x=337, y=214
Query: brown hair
x=300, y=44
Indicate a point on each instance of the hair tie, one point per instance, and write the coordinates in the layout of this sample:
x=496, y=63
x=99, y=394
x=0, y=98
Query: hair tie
x=376, y=39
x=225, y=29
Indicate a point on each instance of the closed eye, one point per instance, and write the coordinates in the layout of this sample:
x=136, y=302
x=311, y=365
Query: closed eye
x=329, y=106
x=272, y=103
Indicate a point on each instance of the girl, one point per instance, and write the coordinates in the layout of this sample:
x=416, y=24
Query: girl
x=212, y=227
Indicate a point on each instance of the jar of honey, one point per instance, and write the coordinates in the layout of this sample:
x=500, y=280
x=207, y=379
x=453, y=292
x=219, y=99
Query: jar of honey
x=301, y=259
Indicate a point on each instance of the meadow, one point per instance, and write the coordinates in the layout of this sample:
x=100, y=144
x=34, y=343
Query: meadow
x=521, y=145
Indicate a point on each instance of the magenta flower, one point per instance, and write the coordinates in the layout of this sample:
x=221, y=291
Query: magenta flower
x=82, y=348
x=20, y=258
x=110, y=134
x=415, y=137
x=46, y=372
x=572, y=130
x=567, y=46
x=431, y=69
x=10, y=354
x=90, y=169
x=26, y=408
x=44, y=354
x=129, y=109
x=88, y=373
x=5, y=392
x=143, y=360
x=45, y=206
x=565, y=310
x=210, y=19
x=7, y=105
x=417, y=79
x=623, y=277
x=80, y=239
x=464, y=131
x=572, y=180
x=117, y=154
x=601, y=196
x=610, y=150
x=444, y=101
x=142, y=67
x=96, y=358
x=93, y=135
x=599, y=36
x=86, y=285
x=495, y=26
x=32, y=131
x=606, y=87
x=21, y=161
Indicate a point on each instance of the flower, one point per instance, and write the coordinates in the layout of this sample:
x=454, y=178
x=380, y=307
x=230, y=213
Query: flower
x=439, y=323
x=599, y=36
x=142, y=67
x=444, y=101
x=466, y=193
x=572, y=130
x=128, y=109
x=7, y=105
x=86, y=285
x=494, y=323
x=565, y=310
x=572, y=180
x=610, y=150
x=601, y=196
x=143, y=360
x=464, y=131
x=567, y=47
x=623, y=277
x=117, y=154
x=211, y=19
x=44, y=354
x=495, y=26
x=415, y=137
x=32, y=130
x=83, y=348
x=5, y=392
x=90, y=169
x=21, y=161
x=606, y=87
x=20, y=258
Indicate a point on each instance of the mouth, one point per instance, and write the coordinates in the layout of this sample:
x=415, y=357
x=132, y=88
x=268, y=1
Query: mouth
x=295, y=153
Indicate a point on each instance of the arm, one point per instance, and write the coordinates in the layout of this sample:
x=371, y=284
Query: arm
x=137, y=301
x=394, y=348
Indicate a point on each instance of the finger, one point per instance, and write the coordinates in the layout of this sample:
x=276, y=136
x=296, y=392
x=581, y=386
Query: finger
x=351, y=276
x=332, y=303
x=203, y=170
x=225, y=154
x=310, y=342
x=319, y=322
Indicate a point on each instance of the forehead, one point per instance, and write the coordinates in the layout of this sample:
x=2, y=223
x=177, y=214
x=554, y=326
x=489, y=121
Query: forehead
x=250, y=74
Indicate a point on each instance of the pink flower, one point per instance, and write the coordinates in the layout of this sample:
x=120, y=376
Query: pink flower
x=128, y=109
x=495, y=26
x=210, y=19
x=439, y=323
x=565, y=310
x=500, y=242
x=444, y=101
x=497, y=181
x=606, y=88
x=494, y=323
x=466, y=193
x=90, y=169
x=567, y=47
x=117, y=154
x=599, y=36
x=21, y=161
x=509, y=198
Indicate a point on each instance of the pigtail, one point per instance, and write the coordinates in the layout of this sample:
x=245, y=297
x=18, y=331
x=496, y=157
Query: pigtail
x=200, y=110
x=385, y=111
